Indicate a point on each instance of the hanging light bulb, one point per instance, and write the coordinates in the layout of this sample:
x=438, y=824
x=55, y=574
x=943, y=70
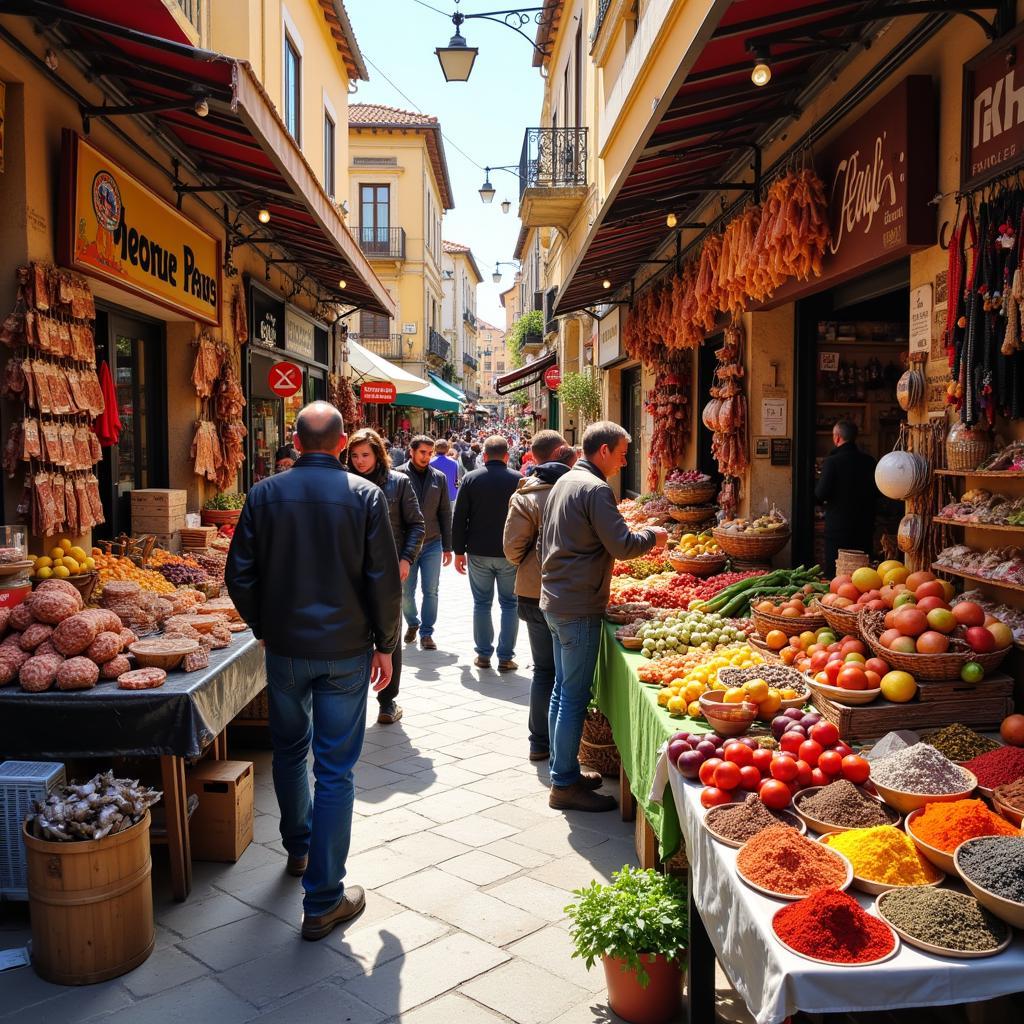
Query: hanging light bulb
x=761, y=73
x=263, y=216
x=342, y=283
x=671, y=220
x=606, y=283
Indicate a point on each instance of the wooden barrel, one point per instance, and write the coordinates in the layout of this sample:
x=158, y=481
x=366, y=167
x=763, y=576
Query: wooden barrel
x=91, y=904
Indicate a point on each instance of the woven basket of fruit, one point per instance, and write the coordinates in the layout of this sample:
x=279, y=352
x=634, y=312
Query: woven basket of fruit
x=697, y=492
x=83, y=582
x=702, y=565
x=766, y=621
x=844, y=621
x=751, y=545
x=692, y=513
x=930, y=667
x=596, y=728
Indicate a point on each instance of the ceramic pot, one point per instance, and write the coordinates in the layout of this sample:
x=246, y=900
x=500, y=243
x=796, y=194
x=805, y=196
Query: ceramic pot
x=660, y=1002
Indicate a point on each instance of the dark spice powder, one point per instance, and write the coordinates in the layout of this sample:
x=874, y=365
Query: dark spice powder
x=740, y=822
x=943, y=918
x=995, y=863
x=842, y=803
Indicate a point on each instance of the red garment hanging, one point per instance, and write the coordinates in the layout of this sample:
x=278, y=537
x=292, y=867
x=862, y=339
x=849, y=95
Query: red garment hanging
x=108, y=424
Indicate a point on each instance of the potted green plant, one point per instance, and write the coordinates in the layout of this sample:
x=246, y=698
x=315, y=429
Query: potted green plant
x=223, y=509
x=638, y=927
x=581, y=393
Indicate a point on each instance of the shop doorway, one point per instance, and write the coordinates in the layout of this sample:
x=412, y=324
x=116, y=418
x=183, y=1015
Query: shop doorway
x=632, y=421
x=135, y=351
x=851, y=350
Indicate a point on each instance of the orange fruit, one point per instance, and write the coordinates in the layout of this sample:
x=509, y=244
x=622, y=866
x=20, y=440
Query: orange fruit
x=776, y=640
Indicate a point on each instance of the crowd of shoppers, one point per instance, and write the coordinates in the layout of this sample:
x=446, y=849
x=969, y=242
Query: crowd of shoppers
x=344, y=552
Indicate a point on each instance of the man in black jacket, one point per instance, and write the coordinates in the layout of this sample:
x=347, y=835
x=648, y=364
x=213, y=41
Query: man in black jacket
x=477, y=526
x=431, y=487
x=313, y=571
x=847, y=489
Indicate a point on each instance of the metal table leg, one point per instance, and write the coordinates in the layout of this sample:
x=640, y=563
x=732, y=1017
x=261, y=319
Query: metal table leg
x=700, y=974
x=172, y=769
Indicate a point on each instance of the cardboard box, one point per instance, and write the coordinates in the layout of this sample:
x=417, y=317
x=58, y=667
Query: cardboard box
x=159, y=500
x=158, y=523
x=221, y=827
x=168, y=541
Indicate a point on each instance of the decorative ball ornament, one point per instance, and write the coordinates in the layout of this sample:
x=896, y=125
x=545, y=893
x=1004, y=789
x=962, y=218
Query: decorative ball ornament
x=910, y=389
x=910, y=533
x=900, y=475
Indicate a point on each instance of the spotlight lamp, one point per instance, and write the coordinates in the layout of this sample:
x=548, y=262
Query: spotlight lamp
x=342, y=284
x=606, y=283
x=263, y=216
x=671, y=220
x=761, y=73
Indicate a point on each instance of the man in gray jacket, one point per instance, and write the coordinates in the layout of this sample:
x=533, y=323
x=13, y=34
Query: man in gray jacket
x=581, y=536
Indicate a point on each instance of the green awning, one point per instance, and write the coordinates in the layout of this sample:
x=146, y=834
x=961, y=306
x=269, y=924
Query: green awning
x=431, y=397
x=449, y=389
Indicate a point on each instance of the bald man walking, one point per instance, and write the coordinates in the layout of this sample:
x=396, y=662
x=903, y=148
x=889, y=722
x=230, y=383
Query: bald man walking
x=313, y=570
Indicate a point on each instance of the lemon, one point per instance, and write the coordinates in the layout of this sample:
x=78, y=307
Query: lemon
x=693, y=710
x=90, y=563
x=44, y=562
x=65, y=544
x=79, y=555
x=72, y=565
x=663, y=697
x=44, y=573
x=757, y=690
x=57, y=553
x=62, y=571
x=735, y=695
x=676, y=706
x=692, y=692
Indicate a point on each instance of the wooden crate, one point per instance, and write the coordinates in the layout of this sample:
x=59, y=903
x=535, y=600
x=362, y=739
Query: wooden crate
x=157, y=523
x=159, y=500
x=999, y=684
x=872, y=721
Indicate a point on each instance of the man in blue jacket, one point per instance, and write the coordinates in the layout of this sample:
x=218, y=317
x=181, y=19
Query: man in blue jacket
x=313, y=571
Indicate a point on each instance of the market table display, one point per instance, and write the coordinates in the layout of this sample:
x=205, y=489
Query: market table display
x=176, y=721
x=775, y=982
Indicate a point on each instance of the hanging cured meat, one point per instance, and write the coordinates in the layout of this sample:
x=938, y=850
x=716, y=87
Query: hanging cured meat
x=668, y=403
x=726, y=412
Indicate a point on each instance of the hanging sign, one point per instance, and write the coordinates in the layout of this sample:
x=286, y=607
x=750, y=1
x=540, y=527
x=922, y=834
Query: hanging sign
x=552, y=377
x=285, y=379
x=113, y=227
x=609, y=338
x=377, y=392
x=992, y=135
x=298, y=334
x=921, y=319
x=879, y=176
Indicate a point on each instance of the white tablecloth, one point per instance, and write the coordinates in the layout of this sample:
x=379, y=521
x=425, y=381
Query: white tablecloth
x=774, y=982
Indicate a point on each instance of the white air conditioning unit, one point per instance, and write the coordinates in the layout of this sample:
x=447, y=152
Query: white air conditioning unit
x=21, y=784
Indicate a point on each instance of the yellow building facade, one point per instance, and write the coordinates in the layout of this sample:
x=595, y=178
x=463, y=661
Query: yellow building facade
x=461, y=277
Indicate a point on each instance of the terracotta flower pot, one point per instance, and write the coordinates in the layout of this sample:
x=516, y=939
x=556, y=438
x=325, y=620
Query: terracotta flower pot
x=660, y=1002
x=220, y=516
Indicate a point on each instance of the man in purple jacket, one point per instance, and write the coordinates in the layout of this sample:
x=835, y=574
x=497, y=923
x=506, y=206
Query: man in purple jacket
x=446, y=465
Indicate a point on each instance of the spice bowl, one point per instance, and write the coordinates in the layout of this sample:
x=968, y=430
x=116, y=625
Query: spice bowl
x=838, y=963
x=866, y=885
x=942, y=860
x=849, y=698
x=727, y=719
x=1008, y=811
x=785, y=818
x=791, y=896
x=1006, y=910
x=824, y=827
x=905, y=802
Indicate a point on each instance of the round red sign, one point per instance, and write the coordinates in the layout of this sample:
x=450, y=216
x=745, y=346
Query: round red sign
x=378, y=392
x=553, y=377
x=285, y=379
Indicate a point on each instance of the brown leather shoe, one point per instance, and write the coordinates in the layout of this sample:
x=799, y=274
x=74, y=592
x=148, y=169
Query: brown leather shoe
x=482, y=662
x=410, y=634
x=592, y=780
x=539, y=755
x=579, y=797
x=296, y=866
x=427, y=643
x=351, y=905
x=507, y=666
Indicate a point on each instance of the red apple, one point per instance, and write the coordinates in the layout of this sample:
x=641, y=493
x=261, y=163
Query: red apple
x=980, y=639
x=932, y=642
x=876, y=665
x=930, y=588
x=832, y=670
x=926, y=604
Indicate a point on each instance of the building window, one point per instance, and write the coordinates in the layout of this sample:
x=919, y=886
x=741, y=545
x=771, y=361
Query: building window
x=329, y=175
x=373, y=325
x=292, y=89
x=374, y=217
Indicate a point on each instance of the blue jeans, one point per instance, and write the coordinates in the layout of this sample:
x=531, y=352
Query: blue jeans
x=484, y=572
x=428, y=568
x=542, y=651
x=323, y=703
x=577, y=639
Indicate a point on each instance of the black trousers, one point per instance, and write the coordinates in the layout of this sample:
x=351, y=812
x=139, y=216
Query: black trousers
x=390, y=692
x=855, y=539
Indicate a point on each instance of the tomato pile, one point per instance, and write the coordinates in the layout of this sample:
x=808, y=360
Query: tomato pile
x=810, y=755
x=674, y=590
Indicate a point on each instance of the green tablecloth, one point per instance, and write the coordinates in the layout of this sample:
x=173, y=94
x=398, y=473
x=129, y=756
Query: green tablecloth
x=640, y=726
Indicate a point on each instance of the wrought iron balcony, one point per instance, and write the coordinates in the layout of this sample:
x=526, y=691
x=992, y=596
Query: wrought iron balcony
x=532, y=343
x=602, y=11
x=553, y=158
x=192, y=9
x=470, y=361
x=469, y=317
x=437, y=345
x=382, y=243
x=387, y=347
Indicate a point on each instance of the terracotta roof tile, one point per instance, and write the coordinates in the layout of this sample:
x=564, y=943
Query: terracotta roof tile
x=454, y=247
x=379, y=114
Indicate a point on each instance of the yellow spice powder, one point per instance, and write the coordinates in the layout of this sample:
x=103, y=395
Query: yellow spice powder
x=883, y=854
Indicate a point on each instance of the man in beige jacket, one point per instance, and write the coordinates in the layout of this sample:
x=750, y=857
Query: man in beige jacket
x=553, y=457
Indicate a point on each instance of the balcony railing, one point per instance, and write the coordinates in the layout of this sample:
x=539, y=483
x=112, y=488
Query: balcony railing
x=437, y=345
x=602, y=10
x=388, y=347
x=553, y=158
x=469, y=317
x=383, y=243
x=193, y=10
x=470, y=361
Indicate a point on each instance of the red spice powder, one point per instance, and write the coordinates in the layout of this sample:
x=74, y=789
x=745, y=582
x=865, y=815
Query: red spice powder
x=830, y=925
x=781, y=859
x=998, y=767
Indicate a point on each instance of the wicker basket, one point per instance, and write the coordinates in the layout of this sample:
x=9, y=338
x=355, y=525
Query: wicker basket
x=751, y=546
x=258, y=709
x=697, y=566
x=597, y=730
x=929, y=667
x=602, y=757
x=83, y=582
x=772, y=657
x=764, y=622
x=690, y=494
x=844, y=621
x=849, y=561
x=967, y=447
x=693, y=514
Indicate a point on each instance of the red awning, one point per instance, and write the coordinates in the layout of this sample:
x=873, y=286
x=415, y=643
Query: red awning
x=241, y=146
x=716, y=118
x=525, y=376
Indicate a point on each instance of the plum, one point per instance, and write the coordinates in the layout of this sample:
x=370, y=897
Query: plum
x=689, y=763
x=677, y=747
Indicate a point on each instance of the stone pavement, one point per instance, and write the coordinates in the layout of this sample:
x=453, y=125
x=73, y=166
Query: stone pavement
x=466, y=868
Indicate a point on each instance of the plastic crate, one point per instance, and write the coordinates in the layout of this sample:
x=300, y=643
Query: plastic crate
x=21, y=783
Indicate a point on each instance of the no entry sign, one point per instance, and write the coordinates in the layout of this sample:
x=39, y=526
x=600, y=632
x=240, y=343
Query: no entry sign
x=553, y=377
x=378, y=392
x=285, y=379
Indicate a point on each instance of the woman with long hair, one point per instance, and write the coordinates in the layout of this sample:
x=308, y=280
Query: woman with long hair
x=368, y=458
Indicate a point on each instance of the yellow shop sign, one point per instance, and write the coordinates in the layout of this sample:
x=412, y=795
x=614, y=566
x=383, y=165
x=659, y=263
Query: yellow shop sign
x=113, y=227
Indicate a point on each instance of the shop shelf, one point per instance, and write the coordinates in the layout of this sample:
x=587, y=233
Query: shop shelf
x=843, y=405
x=1003, y=527
x=1002, y=584
x=1004, y=474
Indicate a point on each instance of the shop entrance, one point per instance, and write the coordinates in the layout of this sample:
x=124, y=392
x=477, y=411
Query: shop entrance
x=632, y=421
x=135, y=351
x=851, y=351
